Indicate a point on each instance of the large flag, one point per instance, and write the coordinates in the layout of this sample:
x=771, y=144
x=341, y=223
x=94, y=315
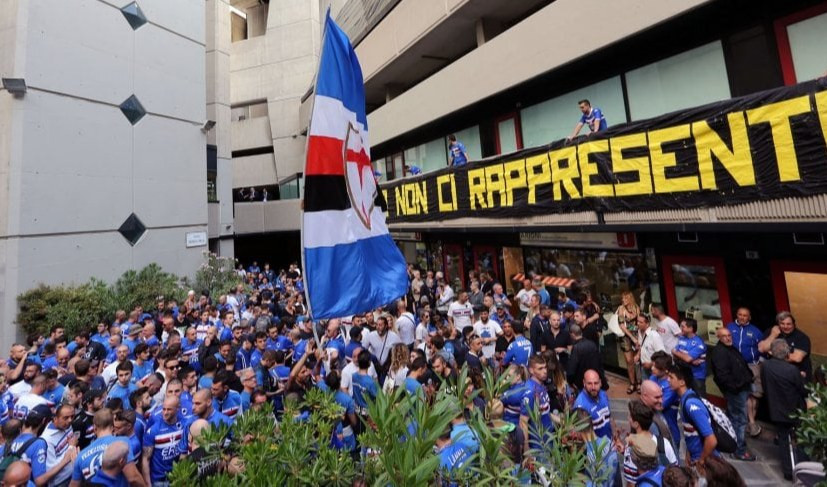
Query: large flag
x=351, y=263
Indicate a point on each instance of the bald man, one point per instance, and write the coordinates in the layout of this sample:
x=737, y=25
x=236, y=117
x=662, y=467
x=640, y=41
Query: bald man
x=18, y=473
x=162, y=443
x=202, y=408
x=112, y=464
x=652, y=396
x=594, y=400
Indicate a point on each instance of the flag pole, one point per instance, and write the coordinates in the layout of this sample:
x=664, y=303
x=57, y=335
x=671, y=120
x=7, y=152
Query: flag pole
x=306, y=144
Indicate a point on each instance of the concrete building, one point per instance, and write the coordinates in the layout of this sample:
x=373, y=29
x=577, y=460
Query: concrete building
x=102, y=154
x=504, y=76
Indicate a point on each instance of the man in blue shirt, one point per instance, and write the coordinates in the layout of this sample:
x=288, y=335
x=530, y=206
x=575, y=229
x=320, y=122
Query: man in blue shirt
x=594, y=400
x=33, y=450
x=669, y=400
x=276, y=340
x=691, y=350
x=54, y=389
x=592, y=118
x=162, y=443
x=226, y=401
x=124, y=386
x=456, y=151
x=90, y=460
x=697, y=425
x=418, y=369
x=520, y=350
x=113, y=461
x=453, y=458
x=746, y=337
x=364, y=386
x=536, y=398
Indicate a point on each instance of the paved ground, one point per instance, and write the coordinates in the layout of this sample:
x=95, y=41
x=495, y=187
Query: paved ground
x=765, y=471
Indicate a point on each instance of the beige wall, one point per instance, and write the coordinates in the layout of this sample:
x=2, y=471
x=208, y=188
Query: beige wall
x=269, y=216
x=547, y=39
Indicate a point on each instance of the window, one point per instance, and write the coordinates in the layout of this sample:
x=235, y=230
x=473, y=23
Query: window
x=509, y=139
x=292, y=189
x=801, y=38
x=212, y=192
x=248, y=110
x=429, y=156
x=689, y=79
x=554, y=119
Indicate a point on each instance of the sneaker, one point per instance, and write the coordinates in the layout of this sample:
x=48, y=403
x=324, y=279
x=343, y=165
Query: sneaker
x=745, y=457
x=754, y=429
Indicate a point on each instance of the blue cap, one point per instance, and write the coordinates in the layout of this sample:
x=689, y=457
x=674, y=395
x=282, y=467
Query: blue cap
x=146, y=316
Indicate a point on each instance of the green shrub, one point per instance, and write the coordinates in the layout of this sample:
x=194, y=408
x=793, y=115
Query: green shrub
x=80, y=307
x=812, y=430
x=217, y=275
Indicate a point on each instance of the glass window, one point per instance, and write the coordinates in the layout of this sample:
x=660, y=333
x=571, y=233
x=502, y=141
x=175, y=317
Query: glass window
x=428, y=156
x=398, y=166
x=807, y=41
x=685, y=80
x=507, y=133
x=471, y=138
x=289, y=190
x=554, y=119
x=379, y=167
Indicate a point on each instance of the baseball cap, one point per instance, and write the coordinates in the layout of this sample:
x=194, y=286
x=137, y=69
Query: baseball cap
x=643, y=445
x=146, y=316
x=41, y=412
x=500, y=306
x=135, y=329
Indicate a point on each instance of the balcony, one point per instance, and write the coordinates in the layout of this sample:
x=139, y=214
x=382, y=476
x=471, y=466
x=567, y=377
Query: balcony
x=267, y=217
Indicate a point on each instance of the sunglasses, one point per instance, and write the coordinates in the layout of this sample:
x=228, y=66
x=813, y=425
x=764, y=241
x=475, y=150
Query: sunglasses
x=176, y=366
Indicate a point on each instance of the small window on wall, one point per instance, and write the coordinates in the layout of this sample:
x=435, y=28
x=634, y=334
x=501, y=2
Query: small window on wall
x=801, y=39
x=686, y=80
x=554, y=119
x=394, y=167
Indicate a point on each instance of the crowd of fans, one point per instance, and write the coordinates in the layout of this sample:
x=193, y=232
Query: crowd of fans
x=122, y=402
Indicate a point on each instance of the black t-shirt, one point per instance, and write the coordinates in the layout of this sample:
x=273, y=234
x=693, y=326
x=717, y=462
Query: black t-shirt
x=503, y=343
x=798, y=340
x=563, y=339
x=82, y=424
x=95, y=352
x=207, y=466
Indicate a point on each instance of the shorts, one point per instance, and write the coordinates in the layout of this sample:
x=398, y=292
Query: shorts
x=627, y=345
x=757, y=388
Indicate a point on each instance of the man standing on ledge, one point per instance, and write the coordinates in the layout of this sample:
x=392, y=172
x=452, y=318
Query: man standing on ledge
x=592, y=117
x=456, y=149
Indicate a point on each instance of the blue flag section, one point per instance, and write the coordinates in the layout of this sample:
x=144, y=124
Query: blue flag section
x=351, y=263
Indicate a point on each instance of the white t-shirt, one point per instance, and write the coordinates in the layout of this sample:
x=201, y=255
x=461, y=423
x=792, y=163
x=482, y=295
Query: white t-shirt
x=26, y=403
x=381, y=347
x=109, y=373
x=462, y=314
x=421, y=333
x=347, y=376
x=406, y=327
x=650, y=343
x=668, y=330
x=19, y=389
x=524, y=298
x=490, y=329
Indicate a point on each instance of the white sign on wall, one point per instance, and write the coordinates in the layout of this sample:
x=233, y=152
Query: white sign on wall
x=196, y=239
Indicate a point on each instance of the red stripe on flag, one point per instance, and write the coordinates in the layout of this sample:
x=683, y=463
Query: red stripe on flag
x=324, y=157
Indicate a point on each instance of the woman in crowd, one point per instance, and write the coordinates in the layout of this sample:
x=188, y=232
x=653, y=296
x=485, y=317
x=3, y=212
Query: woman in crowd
x=627, y=314
x=400, y=357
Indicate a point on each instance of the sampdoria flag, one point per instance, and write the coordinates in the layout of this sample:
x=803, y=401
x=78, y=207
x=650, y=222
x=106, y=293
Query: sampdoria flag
x=351, y=263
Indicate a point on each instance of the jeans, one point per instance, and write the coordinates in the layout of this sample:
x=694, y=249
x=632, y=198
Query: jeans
x=736, y=404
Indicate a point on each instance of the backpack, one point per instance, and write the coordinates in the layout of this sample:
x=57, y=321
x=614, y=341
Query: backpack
x=10, y=456
x=721, y=425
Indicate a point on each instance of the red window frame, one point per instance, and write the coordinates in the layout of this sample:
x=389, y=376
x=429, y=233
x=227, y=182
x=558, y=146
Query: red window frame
x=518, y=130
x=720, y=280
x=785, y=53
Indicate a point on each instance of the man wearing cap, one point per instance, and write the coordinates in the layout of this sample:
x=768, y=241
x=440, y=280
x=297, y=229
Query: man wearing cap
x=133, y=339
x=501, y=314
x=640, y=422
x=642, y=451
x=61, y=444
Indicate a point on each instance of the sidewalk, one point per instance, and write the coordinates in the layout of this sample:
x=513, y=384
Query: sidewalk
x=766, y=470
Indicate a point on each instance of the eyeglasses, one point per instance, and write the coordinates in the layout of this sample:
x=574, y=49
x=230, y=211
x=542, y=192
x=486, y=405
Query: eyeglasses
x=176, y=366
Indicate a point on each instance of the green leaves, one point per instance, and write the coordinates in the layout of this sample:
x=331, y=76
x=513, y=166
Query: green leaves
x=811, y=433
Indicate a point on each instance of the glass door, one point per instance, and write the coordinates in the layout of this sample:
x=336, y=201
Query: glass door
x=696, y=287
